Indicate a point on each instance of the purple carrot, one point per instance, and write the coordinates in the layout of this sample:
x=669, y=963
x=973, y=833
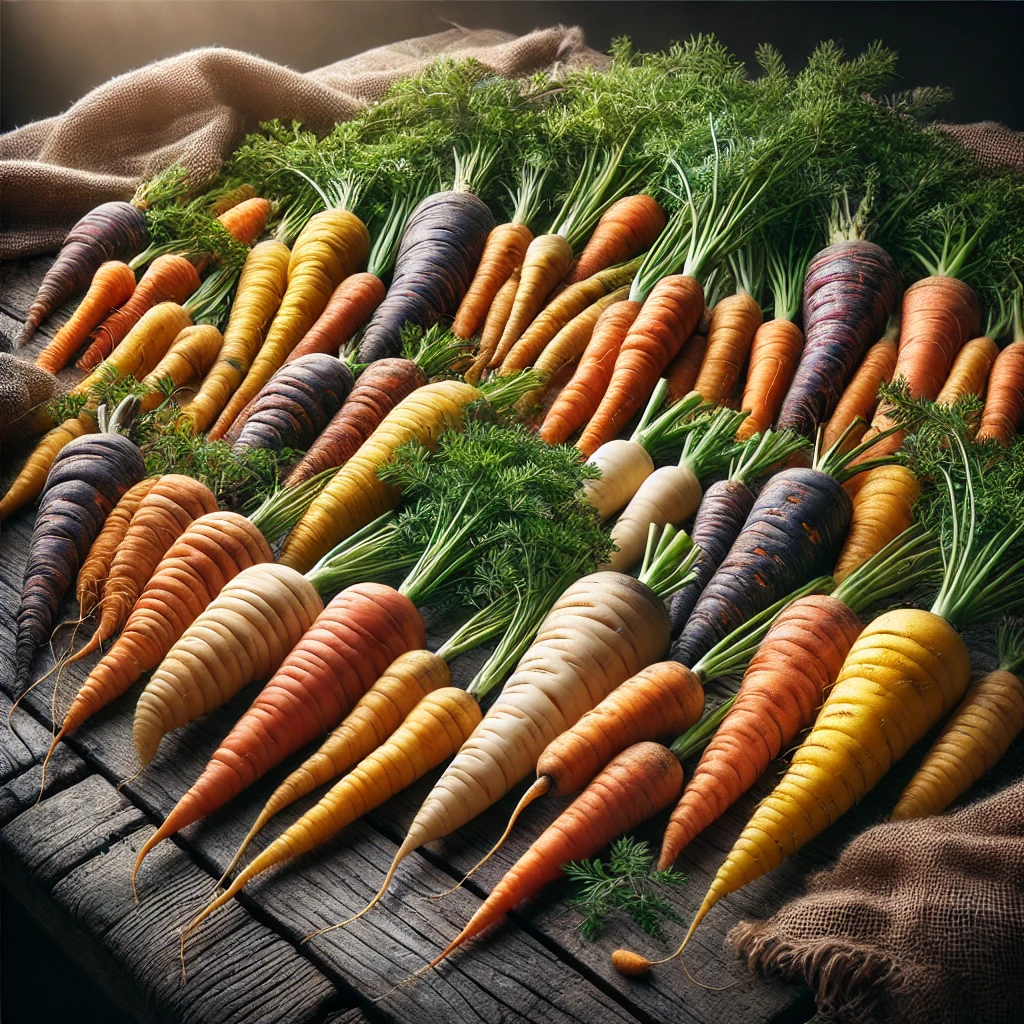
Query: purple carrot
x=850, y=291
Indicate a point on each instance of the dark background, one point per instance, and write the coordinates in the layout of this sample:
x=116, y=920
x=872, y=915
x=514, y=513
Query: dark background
x=52, y=52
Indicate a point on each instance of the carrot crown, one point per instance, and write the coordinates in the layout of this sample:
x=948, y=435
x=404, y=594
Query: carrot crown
x=668, y=560
x=711, y=444
x=763, y=452
x=843, y=464
x=663, y=430
x=785, y=273
x=527, y=198
x=385, y=247
x=747, y=271
x=909, y=560
x=949, y=258
x=1011, y=645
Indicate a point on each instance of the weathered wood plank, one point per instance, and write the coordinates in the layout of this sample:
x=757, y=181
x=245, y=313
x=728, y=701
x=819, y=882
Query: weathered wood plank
x=73, y=854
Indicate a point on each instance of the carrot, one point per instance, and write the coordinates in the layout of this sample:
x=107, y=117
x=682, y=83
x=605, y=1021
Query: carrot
x=333, y=244
x=664, y=322
x=882, y=509
x=494, y=326
x=548, y=258
x=143, y=347
x=788, y=677
x=1000, y=419
x=356, y=495
x=191, y=354
x=231, y=198
x=375, y=717
x=861, y=395
x=211, y=552
x=167, y=279
x=502, y=255
x=629, y=226
x=245, y=220
x=110, y=231
x=681, y=373
x=907, y=670
x=979, y=732
x=580, y=398
x=723, y=510
x=429, y=735
x=794, y=532
x=260, y=289
x=167, y=510
x=441, y=247
x=93, y=574
x=29, y=483
x=353, y=640
x=571, y=341
x=86, y=480
x=635, y=785
x=296, y=404
x=671, y=494
x=242, y=635
x=970, y=371
x=112, y=285
x=351, y=304
x=560, y=311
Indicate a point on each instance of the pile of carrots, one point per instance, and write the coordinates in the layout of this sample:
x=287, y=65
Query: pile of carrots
x=834, y=419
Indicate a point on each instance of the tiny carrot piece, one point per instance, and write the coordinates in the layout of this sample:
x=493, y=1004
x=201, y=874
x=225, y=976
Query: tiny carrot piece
x=1001, y=417
x=167, y=279
x=112, y=286
x=245, y=220
x=580, y=398
x=734, y=321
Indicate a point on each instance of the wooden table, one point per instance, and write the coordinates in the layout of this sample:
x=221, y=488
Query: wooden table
x=68, y=859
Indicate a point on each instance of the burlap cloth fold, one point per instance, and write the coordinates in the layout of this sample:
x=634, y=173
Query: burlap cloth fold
x=196, y=107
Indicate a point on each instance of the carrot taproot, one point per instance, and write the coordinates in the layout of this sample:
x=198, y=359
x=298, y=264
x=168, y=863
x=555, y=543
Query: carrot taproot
x=1000, y=419
x=191, y=354
x=634, y=786
x=662, y=325
x=560, y=311
x=333, y=244
x=231, y=198
x=356, y=495
x=166, y=511
x=681, y=373
x=112, y=285
x=296, y=404
x=93, y=574
x=31, y=478
x=245, y=220
x=494, y=326
x=261, y=287
x=851, y=289
x=774, y=354
x=861, y=394
x=577, y=402
x=429, y=735
x=143, y=347
x=970, y=371
x=882, y=509
x=86, y=480
x=167, y=279
x=244, y=634
x=351, y=304
x=375, y=717
x=629, y=226
x=978, y=733
x=734, y=322
x=337, y=660
x=110, y=231
x=210, y=553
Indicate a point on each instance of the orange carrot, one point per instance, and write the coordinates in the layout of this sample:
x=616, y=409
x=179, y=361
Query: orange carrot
x=861, y=395
x=246, y=219
x=734, y=321
x=774, y=354
x=681, y=373
x=664, y=322
x=630, y=225
x=167, y=279
x=503, y=254
x=112, y=285
x=580, y=398
x=494, y=325
x=642, y=780
x=1001, y=417
x=348, y=308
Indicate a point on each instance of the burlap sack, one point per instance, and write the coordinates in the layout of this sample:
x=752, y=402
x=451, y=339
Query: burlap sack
x=919, y=922
x=23, y=387
x=195, y=108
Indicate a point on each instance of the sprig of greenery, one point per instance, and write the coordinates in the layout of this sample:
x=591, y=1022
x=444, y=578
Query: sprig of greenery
x=629, y=885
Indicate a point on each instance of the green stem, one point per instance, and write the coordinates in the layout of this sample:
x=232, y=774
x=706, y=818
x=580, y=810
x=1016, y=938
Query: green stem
x=711, y=445
x=369, y=554
x=696, y=738
x=764, y=451
x=481, y=626
x=668, y=561
x=662, y=432
x=526, y=200
x=285, y=507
